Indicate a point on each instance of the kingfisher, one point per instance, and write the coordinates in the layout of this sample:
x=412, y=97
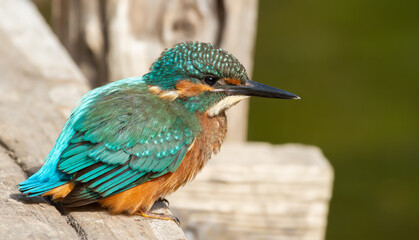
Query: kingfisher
x=133, y=141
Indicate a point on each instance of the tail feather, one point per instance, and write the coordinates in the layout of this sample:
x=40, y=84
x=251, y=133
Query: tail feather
x=34, y=188
x=79, y=196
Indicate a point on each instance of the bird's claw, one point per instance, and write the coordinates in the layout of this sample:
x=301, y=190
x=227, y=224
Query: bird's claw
x=165, y=201
x=176, y=220
x=158, y=216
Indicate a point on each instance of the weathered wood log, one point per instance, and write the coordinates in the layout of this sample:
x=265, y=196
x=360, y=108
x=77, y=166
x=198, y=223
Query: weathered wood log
x=258, y=191
x=39, y=85
x=32, y=219
x=131, y=34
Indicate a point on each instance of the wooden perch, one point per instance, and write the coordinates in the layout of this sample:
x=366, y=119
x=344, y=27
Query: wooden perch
x=39, y=85
x=258, y=191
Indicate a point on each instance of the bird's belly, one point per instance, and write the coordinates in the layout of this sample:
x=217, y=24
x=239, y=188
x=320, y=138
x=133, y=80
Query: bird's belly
x=142, y=197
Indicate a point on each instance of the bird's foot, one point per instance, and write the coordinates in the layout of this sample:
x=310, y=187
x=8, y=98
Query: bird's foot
x=158, y=216
x=165, y=201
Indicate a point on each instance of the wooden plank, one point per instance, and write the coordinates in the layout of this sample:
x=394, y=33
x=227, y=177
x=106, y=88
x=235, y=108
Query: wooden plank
x=133, y=33
x=97, y=223
x=258, y=191
x=23, y=218
x=39, y=85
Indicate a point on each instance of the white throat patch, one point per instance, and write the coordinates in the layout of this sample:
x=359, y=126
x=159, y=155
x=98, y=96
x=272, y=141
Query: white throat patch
x=224, y=104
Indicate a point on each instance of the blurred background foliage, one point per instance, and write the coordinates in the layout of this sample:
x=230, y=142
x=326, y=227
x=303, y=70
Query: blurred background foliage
x=355, y=65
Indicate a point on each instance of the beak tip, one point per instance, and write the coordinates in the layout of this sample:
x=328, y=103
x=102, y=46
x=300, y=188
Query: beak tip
x=296, y=98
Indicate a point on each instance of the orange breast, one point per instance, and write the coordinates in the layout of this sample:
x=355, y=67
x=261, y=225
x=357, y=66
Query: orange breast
x=142, y=197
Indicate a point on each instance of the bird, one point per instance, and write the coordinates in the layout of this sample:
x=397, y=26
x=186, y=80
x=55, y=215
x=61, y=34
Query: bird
x=133, y=141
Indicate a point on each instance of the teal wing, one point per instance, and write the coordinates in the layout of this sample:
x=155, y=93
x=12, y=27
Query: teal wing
x=125, y=139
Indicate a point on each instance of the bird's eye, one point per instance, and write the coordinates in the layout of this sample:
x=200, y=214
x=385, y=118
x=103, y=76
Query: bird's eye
x=210, y=80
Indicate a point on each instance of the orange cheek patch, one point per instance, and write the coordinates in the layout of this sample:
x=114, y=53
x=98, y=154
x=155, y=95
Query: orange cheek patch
x=191, y=89
x=233, y=81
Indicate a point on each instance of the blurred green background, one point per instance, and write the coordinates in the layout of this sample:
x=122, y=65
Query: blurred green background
x=355, y=65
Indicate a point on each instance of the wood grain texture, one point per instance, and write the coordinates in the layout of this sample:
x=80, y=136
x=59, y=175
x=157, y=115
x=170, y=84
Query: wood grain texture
x=39, y=85
x=23, y=218
x=258, y=191
x=130, y=34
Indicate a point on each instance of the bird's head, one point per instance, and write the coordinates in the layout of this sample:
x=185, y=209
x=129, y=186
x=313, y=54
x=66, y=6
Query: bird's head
x=205, y=78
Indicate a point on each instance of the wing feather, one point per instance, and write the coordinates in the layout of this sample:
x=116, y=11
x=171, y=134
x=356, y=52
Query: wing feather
x=126, y=138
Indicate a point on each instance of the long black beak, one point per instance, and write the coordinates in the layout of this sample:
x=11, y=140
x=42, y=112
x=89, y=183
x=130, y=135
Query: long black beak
x=259, y=90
